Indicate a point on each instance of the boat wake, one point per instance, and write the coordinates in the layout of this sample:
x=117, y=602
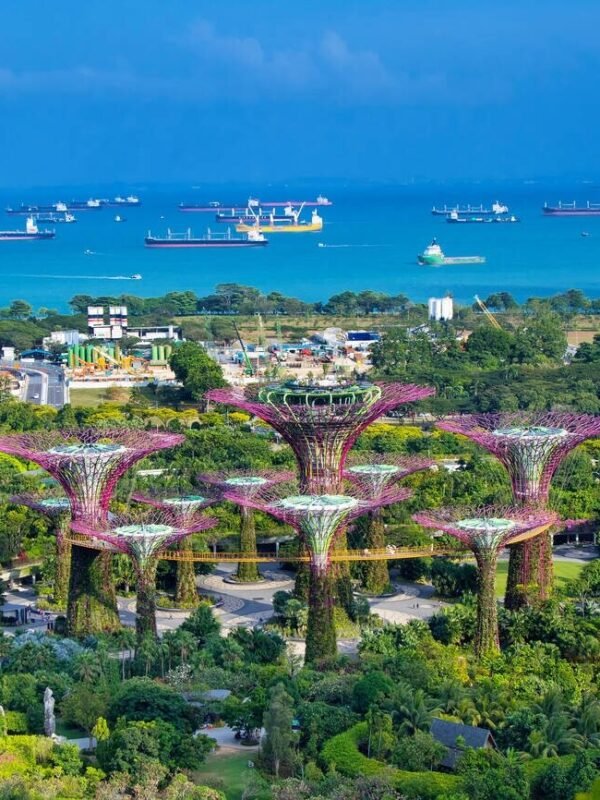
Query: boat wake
x=78, y=277
x=322, y=244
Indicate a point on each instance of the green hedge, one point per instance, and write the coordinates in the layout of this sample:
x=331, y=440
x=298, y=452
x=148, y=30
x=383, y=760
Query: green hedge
x=342, y=752
x=16, y=722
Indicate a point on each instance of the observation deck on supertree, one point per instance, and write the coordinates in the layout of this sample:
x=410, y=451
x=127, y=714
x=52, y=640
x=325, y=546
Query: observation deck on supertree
x=319, y=519
x=374, y=473
x=88, y=463
x=322, y=420
x=142, y=536
x=247, y=483
x=531, y=446
x=59, y=509
x=485, y=531
x=181, y=507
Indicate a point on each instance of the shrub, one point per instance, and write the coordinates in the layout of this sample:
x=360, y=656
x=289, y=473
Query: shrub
x=16, y=722
x=342, y=753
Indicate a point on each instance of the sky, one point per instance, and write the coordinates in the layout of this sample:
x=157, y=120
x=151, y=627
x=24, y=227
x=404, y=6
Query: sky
x=172, y=91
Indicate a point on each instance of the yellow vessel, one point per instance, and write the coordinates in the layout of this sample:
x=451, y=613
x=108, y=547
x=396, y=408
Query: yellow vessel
x=293, y=226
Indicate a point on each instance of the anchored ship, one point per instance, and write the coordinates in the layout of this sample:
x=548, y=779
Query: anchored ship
x=293, y=224
x=119, y=202
x=433, y=256
x=454, y=217
x=572, y=210
x=252, y=202
x=56, y=208
x=55, y=218
x=252, y=215
x=31, y=232
x=254, y=238
x=461, y=211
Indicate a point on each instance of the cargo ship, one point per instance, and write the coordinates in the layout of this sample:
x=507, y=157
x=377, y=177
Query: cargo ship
x=252, y=202
x=572, y=210
x=253, y=215
x=254, y=238
x=496, y=208
x=55, y=218
x=433, y=256
x=121, y=202
x=454, y=218
x=75, y=205
x=289, y=225
x=31, y=232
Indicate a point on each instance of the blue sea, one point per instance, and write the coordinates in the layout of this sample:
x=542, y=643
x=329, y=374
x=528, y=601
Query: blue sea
x=371, y=235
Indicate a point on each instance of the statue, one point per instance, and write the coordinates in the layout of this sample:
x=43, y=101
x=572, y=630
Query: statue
x=49, y=718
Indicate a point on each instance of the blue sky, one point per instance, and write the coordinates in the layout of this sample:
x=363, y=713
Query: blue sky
x=191, y=90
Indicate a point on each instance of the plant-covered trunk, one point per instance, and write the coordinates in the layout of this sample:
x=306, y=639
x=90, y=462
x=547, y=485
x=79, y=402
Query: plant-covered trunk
x=302, y=583
x=486, y=633
x=63, y=565
x=340, y=571
x=247, y=571
x=186, y=593
x=145, y=621
x=530, y=572
x=376, y=577
x=320, y=635
x=92, y=603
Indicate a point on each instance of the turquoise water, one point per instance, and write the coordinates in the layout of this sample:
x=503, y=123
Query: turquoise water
x=372, y=237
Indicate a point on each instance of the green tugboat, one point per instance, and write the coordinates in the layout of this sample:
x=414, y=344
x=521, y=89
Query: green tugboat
x=433, y=256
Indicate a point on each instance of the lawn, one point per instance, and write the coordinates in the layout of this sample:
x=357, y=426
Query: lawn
x=564, y=571
x=90, y=398
x=227, y=772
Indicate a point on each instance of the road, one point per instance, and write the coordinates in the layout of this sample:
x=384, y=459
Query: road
x=45, y=384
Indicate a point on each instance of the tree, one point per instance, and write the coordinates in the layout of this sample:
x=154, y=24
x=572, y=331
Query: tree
x=142, y=699
x=202, y=624
x=100, y=731
x=418, y=753
x=83, y=705
x=277, y=745
x=20, y=309
x=196, y=370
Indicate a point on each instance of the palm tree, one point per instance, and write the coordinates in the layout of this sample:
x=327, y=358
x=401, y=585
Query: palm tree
x=415, y=712
x=587, y=722
x=450, y=696
x=554, y=737
x=87, y=667
x=126, y=641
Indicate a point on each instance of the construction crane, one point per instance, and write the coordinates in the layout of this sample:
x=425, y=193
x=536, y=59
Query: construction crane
x=488, y=314
x=249, y=369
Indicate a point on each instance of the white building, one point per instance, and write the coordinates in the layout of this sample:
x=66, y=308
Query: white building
x=441, y=308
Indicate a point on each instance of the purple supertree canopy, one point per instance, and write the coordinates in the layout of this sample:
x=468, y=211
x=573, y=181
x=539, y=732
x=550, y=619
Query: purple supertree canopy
x=531, y=446
x=143, y=535
x=246, y=482
x=318, y=518
x=321, y=421
x=375, y=472
x=51, y=505
x=178, y=506
x=486, y=530
x=87, y=462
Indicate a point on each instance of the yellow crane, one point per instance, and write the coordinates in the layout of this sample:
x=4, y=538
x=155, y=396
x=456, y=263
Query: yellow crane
x=488, y=314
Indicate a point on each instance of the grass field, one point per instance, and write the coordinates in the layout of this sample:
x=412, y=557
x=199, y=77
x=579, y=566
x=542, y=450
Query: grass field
x=564, y=571
x=90, y=398
x=227, y=772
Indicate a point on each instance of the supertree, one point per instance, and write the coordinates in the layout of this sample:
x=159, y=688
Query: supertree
x=88, y=463
x=181, y=507
x=142, y=536
x=375, y=473
x=248, y=483
x=531, y=446
x=321, y=422
x=319, y=519
x=59, y=510
x=486, y=531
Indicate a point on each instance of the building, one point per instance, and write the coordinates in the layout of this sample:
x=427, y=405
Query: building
x=118, y=326
x=456, y=737
x=71, y=337
x=441, y=308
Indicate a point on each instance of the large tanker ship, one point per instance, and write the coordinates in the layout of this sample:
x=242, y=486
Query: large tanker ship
x=186, y=239
x=30, y=233
x=572, y=210
x=240, y=208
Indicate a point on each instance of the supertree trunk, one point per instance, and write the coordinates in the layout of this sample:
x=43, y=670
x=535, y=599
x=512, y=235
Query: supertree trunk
x=320, y=635
x=302, y=583
x=487, y=639
x=247, y=571
x=92, y=606
x=145, y=621
x=376, y=576
x=186, y=592
x=63, y=564
x=341, y=579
